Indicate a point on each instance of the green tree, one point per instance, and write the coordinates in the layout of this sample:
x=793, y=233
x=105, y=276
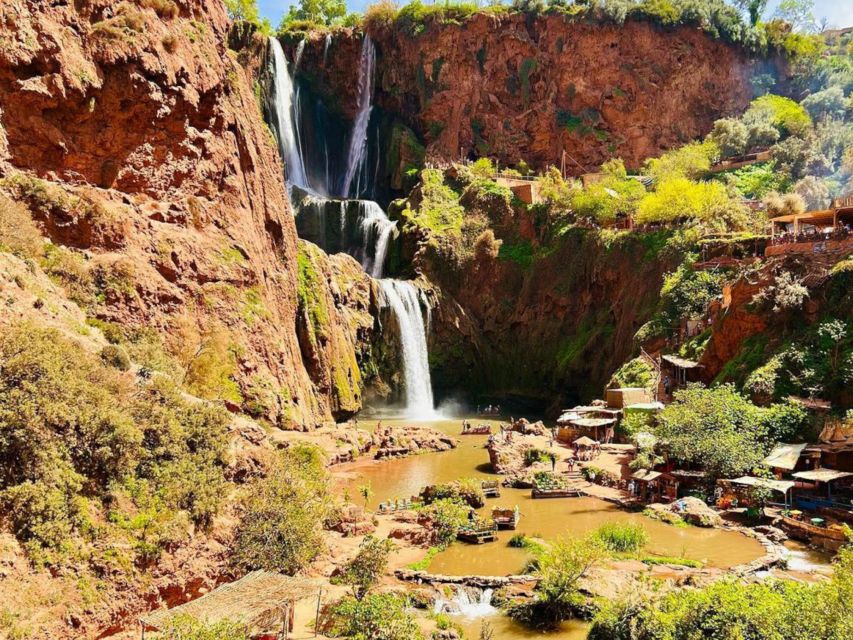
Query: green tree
x=281, y=529
x=322, y=12
x=798, y=13
x=243, y=10
x=560, y=566
x=378, y=616
x=718, y=429
x=364, y=570
x=755, y=9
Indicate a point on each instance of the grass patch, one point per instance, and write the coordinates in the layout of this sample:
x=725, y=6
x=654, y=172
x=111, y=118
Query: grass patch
x=676, y=560
x=423, y=563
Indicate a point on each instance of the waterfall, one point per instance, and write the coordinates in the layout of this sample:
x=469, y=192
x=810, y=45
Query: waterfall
x=326, y=48
x=403, y=300
x=286, y=118
x=376, y=231
x=358, y=137
x=468, y=603
x=358, y=227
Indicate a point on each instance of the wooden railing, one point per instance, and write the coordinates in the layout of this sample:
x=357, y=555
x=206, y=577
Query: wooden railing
x=842, y=202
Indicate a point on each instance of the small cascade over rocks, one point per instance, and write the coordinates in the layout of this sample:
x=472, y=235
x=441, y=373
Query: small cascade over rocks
x=357, y=154
x=403, y=298
x=376, y=232
x=467, y=602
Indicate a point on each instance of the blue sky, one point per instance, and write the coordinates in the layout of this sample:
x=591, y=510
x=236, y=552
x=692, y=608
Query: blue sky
x=838, y=12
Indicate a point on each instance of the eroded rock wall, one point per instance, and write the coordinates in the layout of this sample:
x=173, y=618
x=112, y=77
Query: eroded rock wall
x=517, y=88
x=143, y=119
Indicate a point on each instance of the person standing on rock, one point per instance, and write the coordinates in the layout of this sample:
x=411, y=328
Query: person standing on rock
x=553, y=463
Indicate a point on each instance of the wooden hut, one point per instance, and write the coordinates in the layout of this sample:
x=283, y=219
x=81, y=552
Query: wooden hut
x=263, y=601
x=655, y=486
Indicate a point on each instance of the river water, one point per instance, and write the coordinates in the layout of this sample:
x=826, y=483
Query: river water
x=405, y=477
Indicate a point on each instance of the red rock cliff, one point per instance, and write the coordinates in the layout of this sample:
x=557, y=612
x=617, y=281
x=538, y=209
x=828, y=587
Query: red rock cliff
x=514, y=88
x=138, y=115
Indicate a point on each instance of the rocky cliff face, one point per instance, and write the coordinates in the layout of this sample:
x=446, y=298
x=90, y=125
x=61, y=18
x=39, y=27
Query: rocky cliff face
x=132, y=132
x=515, y=88
x=545, y=330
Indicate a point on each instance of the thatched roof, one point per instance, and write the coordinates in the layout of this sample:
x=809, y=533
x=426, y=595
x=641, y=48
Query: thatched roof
x=583, y=441
x=682, y=363
x=256, y=600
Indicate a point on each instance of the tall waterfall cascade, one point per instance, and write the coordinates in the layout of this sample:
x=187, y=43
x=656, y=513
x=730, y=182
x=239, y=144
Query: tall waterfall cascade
x=357, y=154
x=369, y=237
x=286, y=122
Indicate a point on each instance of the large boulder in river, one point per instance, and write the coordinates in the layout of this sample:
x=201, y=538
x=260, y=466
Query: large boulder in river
x=402, y=441
x=691, y=510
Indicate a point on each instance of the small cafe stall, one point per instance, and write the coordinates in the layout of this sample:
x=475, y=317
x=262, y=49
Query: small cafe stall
x=653, y=486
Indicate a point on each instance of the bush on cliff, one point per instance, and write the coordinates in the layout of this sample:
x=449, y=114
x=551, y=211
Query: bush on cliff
x=281, y=529
x=78, y=438
x=18, y=233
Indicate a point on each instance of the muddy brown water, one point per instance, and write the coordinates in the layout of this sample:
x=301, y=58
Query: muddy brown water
x=405, y=477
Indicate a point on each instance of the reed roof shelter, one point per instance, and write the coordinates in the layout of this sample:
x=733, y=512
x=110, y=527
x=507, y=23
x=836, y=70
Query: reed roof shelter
x=263, y=601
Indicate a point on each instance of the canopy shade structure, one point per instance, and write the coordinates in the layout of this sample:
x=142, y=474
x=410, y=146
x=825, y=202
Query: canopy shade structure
x=681, y=363
x=645, y=406
x=583, y=441
x=782, y=486
x=644, y=475
x=256, y=600
x=822, y=475
x=593, y=423
x=784, y=456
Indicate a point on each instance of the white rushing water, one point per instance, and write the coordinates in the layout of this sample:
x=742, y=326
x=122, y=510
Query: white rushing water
x=404, y=301
x=376, y=231
x=358, y=138
x=286, y=118
x=464, y=605
x=374, y=228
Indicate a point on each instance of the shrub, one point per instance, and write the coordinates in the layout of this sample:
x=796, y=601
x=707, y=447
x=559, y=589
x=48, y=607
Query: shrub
x=18, y=233
x=634, y=373
x=281, y=527
x=446, y=516
x=486, y=246
x=731, y=136
x=380, y=15
x=73, y=432
x=379, y=616
x=560, y=566
x=683, y=199
x=788, y=116
x=368, y=565
x=622, y=537
x=185, y=627
x=732, y=608
x=115, y=356
x=468, y=491
x=691, y=161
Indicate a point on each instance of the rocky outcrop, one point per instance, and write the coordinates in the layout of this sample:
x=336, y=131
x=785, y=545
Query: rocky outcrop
x=517, y=87
x=404, y=441
x=133, y=134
